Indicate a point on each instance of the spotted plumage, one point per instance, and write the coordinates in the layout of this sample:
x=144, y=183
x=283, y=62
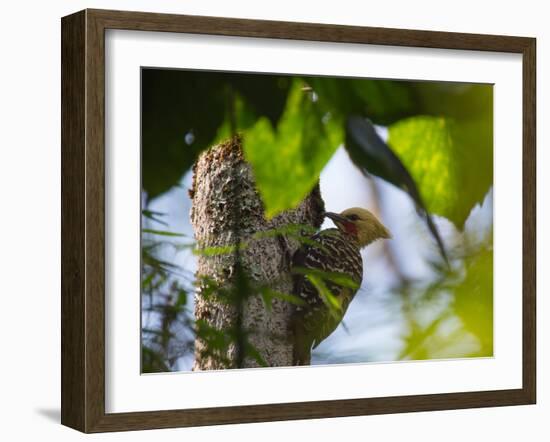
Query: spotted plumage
x=334, y=251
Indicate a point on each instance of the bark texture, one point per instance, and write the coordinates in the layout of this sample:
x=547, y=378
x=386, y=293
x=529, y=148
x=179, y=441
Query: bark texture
x=225, y=200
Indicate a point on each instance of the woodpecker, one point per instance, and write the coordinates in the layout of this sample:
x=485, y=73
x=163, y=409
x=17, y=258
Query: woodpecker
x=334, y=251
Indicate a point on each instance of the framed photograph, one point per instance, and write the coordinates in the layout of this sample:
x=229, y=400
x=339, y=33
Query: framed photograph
x=267, y=220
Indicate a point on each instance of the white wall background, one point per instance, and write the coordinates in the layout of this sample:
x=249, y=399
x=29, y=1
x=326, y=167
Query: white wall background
x=30, y=217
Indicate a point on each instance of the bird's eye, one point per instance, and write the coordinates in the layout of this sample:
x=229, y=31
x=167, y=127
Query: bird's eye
x=353, y=217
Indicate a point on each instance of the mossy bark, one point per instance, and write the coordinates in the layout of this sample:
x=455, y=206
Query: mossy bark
x=228, y=209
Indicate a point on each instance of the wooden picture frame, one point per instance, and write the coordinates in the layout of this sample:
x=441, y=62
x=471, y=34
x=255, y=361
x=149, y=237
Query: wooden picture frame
x=83, y=220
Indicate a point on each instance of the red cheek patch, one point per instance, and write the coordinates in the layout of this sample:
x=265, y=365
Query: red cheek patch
x=350, y=228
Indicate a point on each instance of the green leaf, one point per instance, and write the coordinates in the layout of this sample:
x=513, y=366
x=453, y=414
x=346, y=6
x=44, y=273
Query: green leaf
x=470, y=312
x=146, y=282
x=294, y=230
x=474, y=299
x=162, y=232
x=152, y=361
x=268, y=295
x=181, y=112
x=216, y=339
x=450, y=160
x=153, y=216
x=216, y=250
x=287, y=161
x=382, y=101
x=255, y=354
x=265, y=94
x=331, y=301
x=340, y=279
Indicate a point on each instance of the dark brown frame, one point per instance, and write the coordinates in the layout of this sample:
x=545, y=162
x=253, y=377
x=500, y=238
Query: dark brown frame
x=83, y=217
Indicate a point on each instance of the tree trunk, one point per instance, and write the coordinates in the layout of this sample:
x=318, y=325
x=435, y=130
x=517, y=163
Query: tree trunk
x=228, y=210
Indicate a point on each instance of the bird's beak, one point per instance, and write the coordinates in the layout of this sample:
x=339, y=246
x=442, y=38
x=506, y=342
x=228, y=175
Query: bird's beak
x=335, y=217
x=386, y=234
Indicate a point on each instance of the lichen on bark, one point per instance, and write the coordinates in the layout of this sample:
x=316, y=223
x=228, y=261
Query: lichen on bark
x=227, y=209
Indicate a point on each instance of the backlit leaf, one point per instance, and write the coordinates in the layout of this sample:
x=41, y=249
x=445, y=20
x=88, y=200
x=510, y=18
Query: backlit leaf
x=287, y=160
x=449, y=159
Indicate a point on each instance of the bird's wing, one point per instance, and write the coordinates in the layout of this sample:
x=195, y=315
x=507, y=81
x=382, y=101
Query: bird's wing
x=317, y=320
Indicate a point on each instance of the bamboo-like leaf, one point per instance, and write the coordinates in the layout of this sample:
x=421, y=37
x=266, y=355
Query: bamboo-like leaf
x=268, y=295
x=253, y=352
x=215, y=250
x=338, y=278
x=162, y=232
x=328, y=298
x=290, y=229
x=152, y=215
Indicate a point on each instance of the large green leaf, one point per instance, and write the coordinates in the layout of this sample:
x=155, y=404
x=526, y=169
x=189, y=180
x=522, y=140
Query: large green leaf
x=175, y=127
x=450, y=160
x=287, y=160
x=383, y=101
x=474, y=299
x=184, y=112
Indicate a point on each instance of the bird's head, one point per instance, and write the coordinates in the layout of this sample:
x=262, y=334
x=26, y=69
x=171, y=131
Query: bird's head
x=360, y=224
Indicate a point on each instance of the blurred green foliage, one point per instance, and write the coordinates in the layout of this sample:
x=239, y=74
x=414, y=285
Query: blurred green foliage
x=166, y=334
x=473, y=300
x=453, y=316
x=291, y=126
x=440, y=144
